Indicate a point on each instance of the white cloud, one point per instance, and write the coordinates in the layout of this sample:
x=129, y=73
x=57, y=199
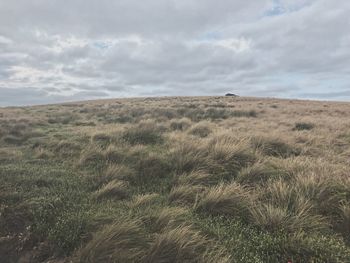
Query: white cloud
x=79, y=49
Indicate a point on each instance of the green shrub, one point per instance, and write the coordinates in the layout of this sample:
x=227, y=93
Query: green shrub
x=299, y=126
x=274, y=147
x=240, y=113
x=142, y=136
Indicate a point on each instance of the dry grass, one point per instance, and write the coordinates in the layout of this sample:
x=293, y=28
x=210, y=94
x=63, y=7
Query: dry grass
x=181, y=244
x=143, y=200
x=229, y=200
x=188, y=179
x=114, y=189
x=201, y=129
x=184, y=194
x=123, y=241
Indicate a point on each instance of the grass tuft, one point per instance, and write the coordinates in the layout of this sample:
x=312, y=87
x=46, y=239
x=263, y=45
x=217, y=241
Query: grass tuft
x=123, y=241
x=114, y=189
x=229, y=200
x=274, y=147
x=299, y=126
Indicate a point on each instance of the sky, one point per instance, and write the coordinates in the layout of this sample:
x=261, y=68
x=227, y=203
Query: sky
x=55, y=51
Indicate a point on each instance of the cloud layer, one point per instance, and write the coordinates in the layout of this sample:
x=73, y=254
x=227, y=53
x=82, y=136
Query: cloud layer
x=54, y=51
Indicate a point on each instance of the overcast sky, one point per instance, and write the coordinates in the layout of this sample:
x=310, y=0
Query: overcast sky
x=54, y=50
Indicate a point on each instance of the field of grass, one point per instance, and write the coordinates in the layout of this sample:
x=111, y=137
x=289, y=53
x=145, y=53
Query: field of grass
x=185, y=179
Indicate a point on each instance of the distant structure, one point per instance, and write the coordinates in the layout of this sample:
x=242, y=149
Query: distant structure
x=231, y=95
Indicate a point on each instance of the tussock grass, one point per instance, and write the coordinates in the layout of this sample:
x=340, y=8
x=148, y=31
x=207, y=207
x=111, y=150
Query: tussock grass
x=117, y=171
x=66, y=147
x=284, y=207
x=199, y=177
x=168, y=218
x=262, y=172
x=344, y=224
x=201, y=129
x=143, y=199
x=185, y=194
x=240, y=113
x=186, y=179
x=300, y=218
x=13, y=139
x=102, y=138
x=229, y=200
x=181, y=124
x=187, y=156
x=114, y=189
x=299, y=126
x=123, y=241
x=229, y=156
x=274, y=147
x=114, y=154
x=41, y=153
x=92, y=155
x=182, y=244
x=144, y=133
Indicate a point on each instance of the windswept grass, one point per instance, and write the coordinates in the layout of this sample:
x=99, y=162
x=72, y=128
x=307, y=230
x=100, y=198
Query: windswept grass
x=228, y=200
x=122, y=241
x=187, y=179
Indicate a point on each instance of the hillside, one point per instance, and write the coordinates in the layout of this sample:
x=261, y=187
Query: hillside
x=176, y=179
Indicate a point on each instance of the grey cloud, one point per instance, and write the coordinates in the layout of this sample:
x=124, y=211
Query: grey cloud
x=53, y=51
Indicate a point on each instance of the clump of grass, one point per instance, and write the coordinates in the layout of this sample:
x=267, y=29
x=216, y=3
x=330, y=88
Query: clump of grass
x=181, y=124
x=114, y=154
x=306, y=247
x=114, y=189
x=298, y=218
x=274, y=147
x=201, y=129
x=229, y=200
x=187, y=156
x=150, y=166
x=123, y=241
x=198, y=177
x=142, y=135
x=15, y=140
x=41, y=153
x=344, y=224
x=117, y=171
x=92, y=155
x=67, y=148
x=169, y=217
x=228, y=156
x=241, y=113
x=182, y=244
x=285, y=208
x=102, y=138
x=143, y=199
x=185, y=194
x=299, y=126
x=10, y=154
x=323, y=190
x=261, y=172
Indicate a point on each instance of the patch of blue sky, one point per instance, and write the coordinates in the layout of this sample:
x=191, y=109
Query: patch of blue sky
x=101, y=45
x=210, y=36
x=279, y=8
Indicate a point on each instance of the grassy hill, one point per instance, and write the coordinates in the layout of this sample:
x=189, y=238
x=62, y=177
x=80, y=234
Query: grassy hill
x=185, y=179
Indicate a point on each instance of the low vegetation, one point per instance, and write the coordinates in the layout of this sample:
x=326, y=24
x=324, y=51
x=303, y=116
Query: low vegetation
x=208, y=179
